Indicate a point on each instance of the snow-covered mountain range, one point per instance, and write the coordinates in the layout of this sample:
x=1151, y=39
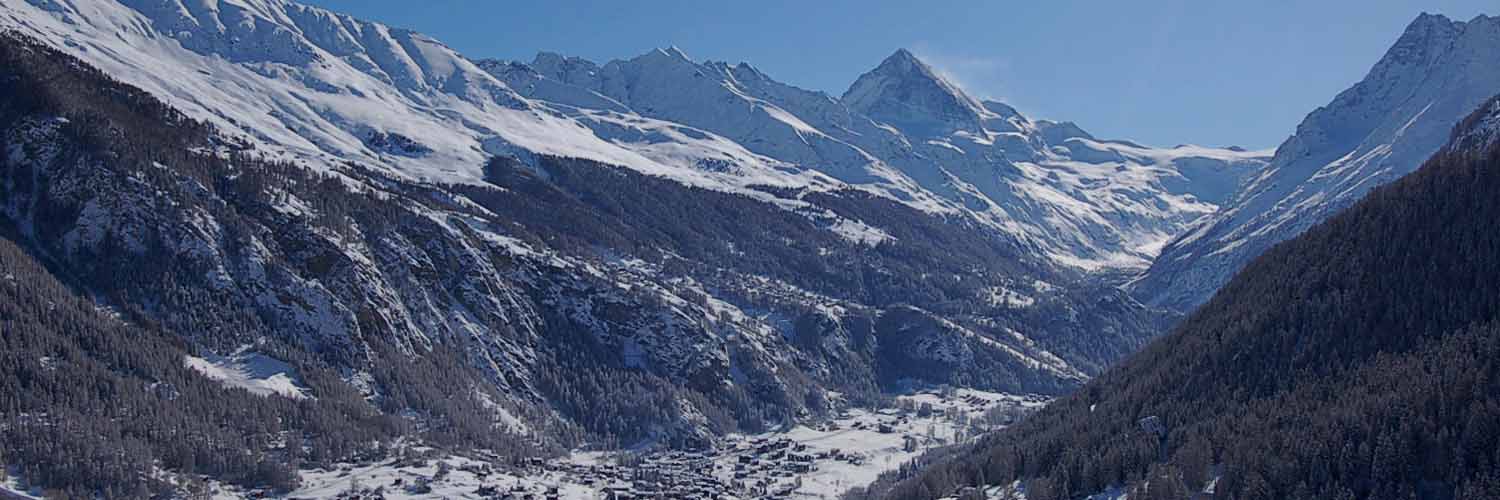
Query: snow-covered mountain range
x=1380, y=129
x=325, y=88
x=904, y=131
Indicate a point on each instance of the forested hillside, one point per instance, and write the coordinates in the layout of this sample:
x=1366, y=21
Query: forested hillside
x=1356, y=361
x=88, y=403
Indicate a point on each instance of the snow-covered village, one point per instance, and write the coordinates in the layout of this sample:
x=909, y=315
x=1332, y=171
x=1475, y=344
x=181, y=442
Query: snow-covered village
x=817, y=461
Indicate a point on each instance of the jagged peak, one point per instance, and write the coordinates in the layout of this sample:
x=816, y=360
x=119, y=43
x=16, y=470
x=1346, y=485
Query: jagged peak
x=548, y=56
x=744, y=68
x=1427, y=21
x=904, y=63
x=545, y=58
x=675, y=52
x=901, y=55
x=1425, y=17
x=908, y=93
x=668, y=54
x=1430, y=29
x=736, y=73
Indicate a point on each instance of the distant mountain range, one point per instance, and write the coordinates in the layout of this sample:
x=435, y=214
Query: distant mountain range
x=903, y=131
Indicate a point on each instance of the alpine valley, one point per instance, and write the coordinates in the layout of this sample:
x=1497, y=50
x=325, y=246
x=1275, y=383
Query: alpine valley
x=258, y=247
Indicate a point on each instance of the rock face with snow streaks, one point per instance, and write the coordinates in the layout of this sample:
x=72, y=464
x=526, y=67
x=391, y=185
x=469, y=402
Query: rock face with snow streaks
x=1380, y=129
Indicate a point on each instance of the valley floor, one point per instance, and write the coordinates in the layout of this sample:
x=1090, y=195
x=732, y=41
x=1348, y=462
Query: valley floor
x=813, y=461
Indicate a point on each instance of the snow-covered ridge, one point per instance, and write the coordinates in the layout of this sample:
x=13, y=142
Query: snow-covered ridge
x=322, y=88
x=1383, y=127
x=905, y=132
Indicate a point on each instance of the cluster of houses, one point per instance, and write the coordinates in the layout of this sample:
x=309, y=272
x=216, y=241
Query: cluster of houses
x=758, y=468
x=669, y=475
x=766, y=467
x=761, y=467
x=519, y=492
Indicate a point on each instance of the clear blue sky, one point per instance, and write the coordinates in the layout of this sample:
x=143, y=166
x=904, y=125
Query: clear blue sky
x=1161, y=72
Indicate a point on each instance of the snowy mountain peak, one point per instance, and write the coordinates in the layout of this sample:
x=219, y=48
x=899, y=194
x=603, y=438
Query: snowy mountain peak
x=675, y=53
x=909, y=94
x=905, y=58
x=1426, y=37
x=659, y=57
x=1378, y=130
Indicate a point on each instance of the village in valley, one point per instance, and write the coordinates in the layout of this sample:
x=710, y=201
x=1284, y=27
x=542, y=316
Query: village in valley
x=807, y=461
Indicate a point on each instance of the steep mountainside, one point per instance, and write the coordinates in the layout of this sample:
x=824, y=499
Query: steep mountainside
x=905, y=132
x=1355, y=361
x=98, y=407
x=1373, y=133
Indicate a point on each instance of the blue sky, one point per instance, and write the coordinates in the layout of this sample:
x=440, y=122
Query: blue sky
x=1160, y=72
